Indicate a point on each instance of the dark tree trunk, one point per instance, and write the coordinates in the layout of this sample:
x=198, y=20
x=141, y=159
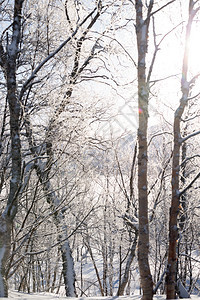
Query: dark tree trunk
x=171, y=278
x=143, y=98
x=8, y=65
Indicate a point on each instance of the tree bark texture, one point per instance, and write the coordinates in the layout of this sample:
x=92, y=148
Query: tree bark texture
x=171, y=284
x=5, y=246
x=143, y=98
x=8, y=65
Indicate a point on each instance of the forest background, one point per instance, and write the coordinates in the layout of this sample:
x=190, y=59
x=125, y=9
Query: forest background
x=99, y=147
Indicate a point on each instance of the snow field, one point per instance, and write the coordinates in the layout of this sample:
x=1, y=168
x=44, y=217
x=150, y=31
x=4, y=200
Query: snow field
x=49, y=296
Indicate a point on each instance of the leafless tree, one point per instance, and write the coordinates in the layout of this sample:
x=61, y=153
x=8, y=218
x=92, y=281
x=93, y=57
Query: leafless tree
x=171, y=283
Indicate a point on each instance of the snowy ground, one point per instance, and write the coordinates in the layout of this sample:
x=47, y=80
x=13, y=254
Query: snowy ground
x=43, y=296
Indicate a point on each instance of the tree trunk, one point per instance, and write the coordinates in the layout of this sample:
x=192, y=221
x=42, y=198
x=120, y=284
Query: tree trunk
x=143, y=98
x=8, y=65
x=131, y=256
x=5, y=245
x=171, y=284
x=183, y=245
x=59, y=221
x=95, y=266
x=174, y=210
x=68, y=269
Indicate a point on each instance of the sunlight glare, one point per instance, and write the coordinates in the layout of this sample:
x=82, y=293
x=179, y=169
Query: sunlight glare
x=194, y=51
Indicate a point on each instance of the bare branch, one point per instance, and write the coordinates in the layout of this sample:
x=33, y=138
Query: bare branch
x=160, y=281
x=161, y=79
x=157, y=48
x=157, y=134
x=51, y=55
x=154, y=12
x=189, y=136
x=189, y=185
x=156, y=202
x=122, y=179
x=192, y=118
x=132, y=169
x=189, y=158
x=63, y=240
x=186, y=255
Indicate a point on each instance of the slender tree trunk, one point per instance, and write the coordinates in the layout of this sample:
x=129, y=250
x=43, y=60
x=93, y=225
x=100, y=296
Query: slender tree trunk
x=174, y=210
x=59, y=221
x=105, y=248
x=171, y=284
x=182, y=262
x=68, y=269
x=95, y=266
x=8, y=65
x=5, y=245
x=131, y=256
x=143, y=98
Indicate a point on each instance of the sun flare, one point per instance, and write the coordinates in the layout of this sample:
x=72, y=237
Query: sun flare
x=194, y=51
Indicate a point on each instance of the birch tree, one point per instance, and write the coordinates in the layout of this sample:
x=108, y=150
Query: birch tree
x=186, y=87
x=142, y=29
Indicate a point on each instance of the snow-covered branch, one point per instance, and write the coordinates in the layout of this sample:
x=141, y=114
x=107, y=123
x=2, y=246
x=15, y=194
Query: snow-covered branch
x=51, y=55
x=189, y=185
x=189, y=136
x=159, y=9
x=189, y=158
